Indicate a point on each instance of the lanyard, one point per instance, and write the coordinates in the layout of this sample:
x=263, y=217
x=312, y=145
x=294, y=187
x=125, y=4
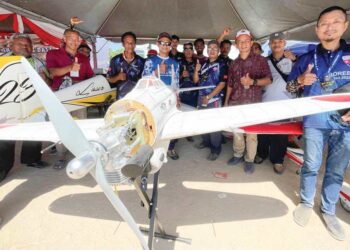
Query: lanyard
x=330, y=68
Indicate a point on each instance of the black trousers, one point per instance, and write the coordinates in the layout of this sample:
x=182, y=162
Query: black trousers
x=274, y=146
x=30, y=153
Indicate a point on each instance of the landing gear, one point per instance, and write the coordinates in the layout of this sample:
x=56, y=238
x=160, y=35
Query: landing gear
x=155, y=227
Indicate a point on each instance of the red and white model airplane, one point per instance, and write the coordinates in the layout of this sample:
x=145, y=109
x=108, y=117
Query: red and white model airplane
x=133, y=137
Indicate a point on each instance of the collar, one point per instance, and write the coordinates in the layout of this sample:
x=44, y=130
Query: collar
x=251, y=54
x=321, y=50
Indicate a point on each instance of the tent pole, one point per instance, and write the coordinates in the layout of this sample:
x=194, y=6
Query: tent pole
x=94, y=52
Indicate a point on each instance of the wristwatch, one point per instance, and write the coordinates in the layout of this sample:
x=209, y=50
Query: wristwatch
x=255, y=82
x=207, y=97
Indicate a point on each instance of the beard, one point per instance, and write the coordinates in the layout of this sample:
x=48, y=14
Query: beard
x=328, y=40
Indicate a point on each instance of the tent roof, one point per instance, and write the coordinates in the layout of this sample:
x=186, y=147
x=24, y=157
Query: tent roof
x=186, y=18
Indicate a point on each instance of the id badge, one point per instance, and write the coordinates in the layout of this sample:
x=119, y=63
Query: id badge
x=327, y=84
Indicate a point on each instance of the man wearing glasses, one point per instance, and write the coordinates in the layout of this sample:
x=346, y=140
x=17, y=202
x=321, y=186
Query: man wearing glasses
x=212, y=73
x=167, y=69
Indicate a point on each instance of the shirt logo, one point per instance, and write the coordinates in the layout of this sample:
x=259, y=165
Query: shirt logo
x=346, y=60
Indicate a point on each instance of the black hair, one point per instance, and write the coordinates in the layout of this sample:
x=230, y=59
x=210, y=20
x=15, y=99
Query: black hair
x=83, y=45
x=129, y=33
x=188, y=44
x=175, y=37
x=199, y=40
x=330, y=9
x=225, y=41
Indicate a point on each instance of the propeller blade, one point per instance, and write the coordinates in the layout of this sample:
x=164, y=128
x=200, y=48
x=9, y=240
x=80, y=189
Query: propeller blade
x=117, y=203
x=70, y=134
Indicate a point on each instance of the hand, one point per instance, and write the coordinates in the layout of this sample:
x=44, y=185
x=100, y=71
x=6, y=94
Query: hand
x=121, y=75
x=162, y=67
x=198, y=66
x=205, y=100
x=346, y=117
x=227, y=31
x=75, y=66
x=246, y=81
x=290, y=55
x=307, y=78
x=185, y=73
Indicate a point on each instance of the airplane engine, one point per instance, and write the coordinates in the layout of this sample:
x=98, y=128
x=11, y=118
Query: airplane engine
x=127, y=135
x=80, y=166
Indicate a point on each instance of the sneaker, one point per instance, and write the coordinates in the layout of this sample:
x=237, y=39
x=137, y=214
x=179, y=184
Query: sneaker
x=53, y=150
x=334, y=227
x=38, y=164
x=60, y=164
x=279, y=168
x=234, y=160
x=172, y=154
x=190, y=139
x=258, y=159
x=302, y=214
x=200, y=145
x=249, y=167
x=212, y=156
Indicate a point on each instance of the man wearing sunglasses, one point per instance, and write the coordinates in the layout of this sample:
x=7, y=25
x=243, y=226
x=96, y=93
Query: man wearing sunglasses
x=167, y=69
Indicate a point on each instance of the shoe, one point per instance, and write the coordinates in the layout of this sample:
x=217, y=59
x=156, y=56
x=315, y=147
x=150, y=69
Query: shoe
x=53, y=150
x=212, y=156
x=334, y=227
x=302, y=214
x=190, y=139
x=234, y=160
x=258, y=159
x=60, y=164
x=200, y=145
x=38, y=164
x=172, y=154
x=279, y=168
x=249, y=167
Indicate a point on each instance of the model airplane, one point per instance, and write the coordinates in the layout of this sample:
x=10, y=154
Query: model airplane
x=19, y=103
x=133, y=138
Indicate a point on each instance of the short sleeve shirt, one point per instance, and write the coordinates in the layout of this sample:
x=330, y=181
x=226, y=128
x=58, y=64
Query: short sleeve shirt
x=172, y=69
x=60, y=58
x=258, y=68
x=211, y=74
x=133, y=72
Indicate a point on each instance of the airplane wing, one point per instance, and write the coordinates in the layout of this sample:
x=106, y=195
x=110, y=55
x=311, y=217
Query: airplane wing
x=182, y=124
x=44, y=131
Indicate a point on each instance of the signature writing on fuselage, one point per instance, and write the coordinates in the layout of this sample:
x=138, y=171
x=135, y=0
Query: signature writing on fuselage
x=89, y=89
x=13, y=92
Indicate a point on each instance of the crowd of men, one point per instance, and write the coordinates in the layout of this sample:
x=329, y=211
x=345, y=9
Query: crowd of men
x=249, y=78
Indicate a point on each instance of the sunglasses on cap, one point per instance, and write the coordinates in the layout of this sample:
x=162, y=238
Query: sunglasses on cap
x=164, y=43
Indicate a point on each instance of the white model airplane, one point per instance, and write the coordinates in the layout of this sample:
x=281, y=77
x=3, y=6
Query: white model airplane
x=133, y=138
x=19, y=103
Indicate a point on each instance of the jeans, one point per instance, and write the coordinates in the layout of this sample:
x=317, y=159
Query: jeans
x=212, y=140
x=338, y=160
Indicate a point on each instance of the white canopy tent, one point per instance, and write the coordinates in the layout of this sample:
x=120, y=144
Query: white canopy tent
x=188, y=19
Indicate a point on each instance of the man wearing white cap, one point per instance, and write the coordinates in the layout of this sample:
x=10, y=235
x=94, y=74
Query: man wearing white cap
x=247, y=75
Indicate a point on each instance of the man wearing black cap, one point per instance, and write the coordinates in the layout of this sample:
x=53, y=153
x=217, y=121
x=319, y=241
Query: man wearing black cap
x=167, y=69
x=280, y=63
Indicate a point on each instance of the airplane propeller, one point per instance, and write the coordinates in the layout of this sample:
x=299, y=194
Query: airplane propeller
x=87, y=154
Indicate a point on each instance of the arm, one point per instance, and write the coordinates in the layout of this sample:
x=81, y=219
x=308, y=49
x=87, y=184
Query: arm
x=223, y=34
x=228, y=94
x=196, y=73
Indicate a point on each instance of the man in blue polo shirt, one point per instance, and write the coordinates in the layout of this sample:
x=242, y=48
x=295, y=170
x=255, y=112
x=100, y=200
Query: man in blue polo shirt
x=167, y=69
x=319, y=72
